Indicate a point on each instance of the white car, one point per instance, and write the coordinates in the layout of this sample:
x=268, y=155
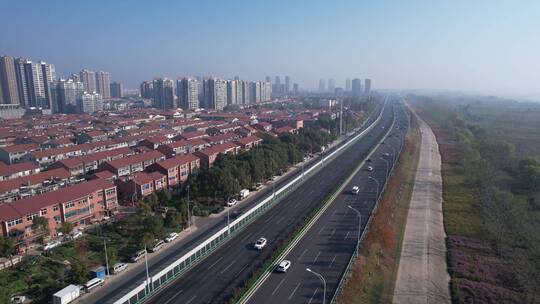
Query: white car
x=260, y=244
x=369, y=168
x=50, y=245
x=355, y=190
x=157, y=246
x=75, y=235
x=171, y=236
x=119, y=267
x=283, y=266
x=231, y=202
x=18, y=299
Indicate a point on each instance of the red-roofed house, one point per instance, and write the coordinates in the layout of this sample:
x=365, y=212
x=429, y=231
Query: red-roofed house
x=208, y=156
x=13, y=189
x=190, y=135
x=80, y=205
x=249, y=142
x=132, y=164
x=141, y=185
x=17, y=170
x=177, y=168
x=14, y=154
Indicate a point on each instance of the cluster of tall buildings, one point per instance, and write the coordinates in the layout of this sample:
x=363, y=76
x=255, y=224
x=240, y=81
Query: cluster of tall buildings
x=283, y=89
x=353, y=87
x=29, y=84
x=191, y=93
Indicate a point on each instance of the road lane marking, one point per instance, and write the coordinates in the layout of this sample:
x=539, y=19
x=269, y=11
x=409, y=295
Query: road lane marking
x=333, y=231
x=331, y=263
x=269, y=218
x=190, y=300
x=347, y=235
x=315, y=292
x=213, y=264
x=225, y=269
x=302, y=254
x=277, y=287
x=321, y=230
x=246, y=237
x=333, y=213
x=174, y=296
x=296, y=206
x=315, y=260
x=238, y=273
x=279, y=221
x=292, y=293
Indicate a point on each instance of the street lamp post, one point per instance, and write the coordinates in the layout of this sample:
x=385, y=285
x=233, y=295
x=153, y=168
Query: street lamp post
x=359, y=227
x=106, y=258
x=146, y=263
x=188, y=213
x=228, y=222
x=322, y=280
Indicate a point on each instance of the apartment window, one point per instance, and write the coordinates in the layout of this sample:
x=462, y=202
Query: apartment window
x=90, y=197
x=31, y=217
x=100, y=194
x=145, y=187
x=57, y=219
x=70, y=205
x=14, y=222
x=43, y=211
x=55, y=208
x=110, y=191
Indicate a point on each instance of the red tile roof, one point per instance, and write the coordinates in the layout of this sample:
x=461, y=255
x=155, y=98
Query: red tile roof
x=138, y=158
x=20, y=148
x=248, y=140
x=6, y=170
x=23, y=207
x=177, y=161
x=33, y=179
x=218, y=149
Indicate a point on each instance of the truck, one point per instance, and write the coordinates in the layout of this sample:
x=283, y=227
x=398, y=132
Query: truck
x=67, y=295
x=243, y=193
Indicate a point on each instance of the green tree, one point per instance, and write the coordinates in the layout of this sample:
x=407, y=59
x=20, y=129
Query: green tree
x=7, y=248
x=79, y=272
x=147, y=240
x=173, y=219
x=41, y=226
x=152, y=200
x=66, y=228
x=164, y=196
x=143, y=210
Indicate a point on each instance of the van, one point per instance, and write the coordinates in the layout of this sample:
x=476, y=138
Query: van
x=95, y=282
x=119, y=267
x=157, y=246
x=138, y=255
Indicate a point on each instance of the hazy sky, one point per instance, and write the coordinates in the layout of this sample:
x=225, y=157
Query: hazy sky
x=485, y=46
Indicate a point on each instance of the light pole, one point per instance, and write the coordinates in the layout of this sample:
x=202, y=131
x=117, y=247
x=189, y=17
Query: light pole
x=188, y=214
x=376, y=181
x=322, y=280
x=359, y=227
x=106, y=258
x=228, y=223
x=146, y=263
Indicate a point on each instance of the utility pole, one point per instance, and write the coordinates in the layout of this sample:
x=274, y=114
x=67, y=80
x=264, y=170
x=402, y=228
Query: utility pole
x=106, y=258
x=188, y=213
x=341, y=117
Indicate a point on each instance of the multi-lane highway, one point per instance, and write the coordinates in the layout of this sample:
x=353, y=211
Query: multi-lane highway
x=328, y=245
x=215, y=279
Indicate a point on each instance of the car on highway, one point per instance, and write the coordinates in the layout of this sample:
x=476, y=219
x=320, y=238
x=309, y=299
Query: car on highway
x=171, y=237
x=260, y=243
x=386, y=154
x=236, y=214
x=283, y=266
x=157, y=246
x=231, y=202
x=355, y=190
x=369, y=160
x=369, y=169
x=50, y=245
x=138, y=255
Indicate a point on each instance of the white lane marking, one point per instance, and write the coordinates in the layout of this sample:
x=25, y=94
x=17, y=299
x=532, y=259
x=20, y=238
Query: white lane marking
x=314, y=292
x=277, y=287
x=279, y=221
x=315, y=260
x=292, y=293
x=347, y=235
x=268, y=219
x=331, y=263
x=333, y=231
x=238, y=273
x=321, y=230
x=173, y=297
x=225, y=269
x=333, y=213
x=193, y=298
x=296, y=206
x=214, y=264
x=246, y=237
x=302, y=254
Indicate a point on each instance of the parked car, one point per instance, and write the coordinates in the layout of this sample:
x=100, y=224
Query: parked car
x=231, y=202
x=50, y=245
x=18, y=299
x=119, y=267
x=260, y=243
x=157, y=246
x=355, y=190
x=138, y=255
x=283, y=266
x=75, y=235
x=369, y=168
x=171, y=237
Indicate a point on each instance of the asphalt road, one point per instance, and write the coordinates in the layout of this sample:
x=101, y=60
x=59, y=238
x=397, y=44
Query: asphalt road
x=216, y=278
x=137, y=273
x=328, y=245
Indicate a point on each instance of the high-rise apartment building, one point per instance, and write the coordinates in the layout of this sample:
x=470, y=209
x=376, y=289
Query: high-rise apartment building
x=367, y=86
x=331, y=85
x=266, y=94
x=295, y=90
x=9, y=92
x=164, y=94
x=268, y=79
x=322, y=85
x=35, y=85
x=88, y=78
x=65, y=94
x=246, y=96
x=49, y=76
x=356, y=87
x=239, y=100
x=231, y=92
x=215, y=93
x=147, y=90
x=22, y=83
x=348, y=84
x=187, y=90
x=117, y=90
x=90, y=103
x=103, y=84
x=287, y=85
x=255, y=92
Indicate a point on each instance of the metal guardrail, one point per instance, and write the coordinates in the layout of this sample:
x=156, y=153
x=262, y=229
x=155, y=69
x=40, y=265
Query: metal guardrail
x=348, y=269
x=177, y=268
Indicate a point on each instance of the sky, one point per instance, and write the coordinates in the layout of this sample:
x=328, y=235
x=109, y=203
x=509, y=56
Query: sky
x=490, y=47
